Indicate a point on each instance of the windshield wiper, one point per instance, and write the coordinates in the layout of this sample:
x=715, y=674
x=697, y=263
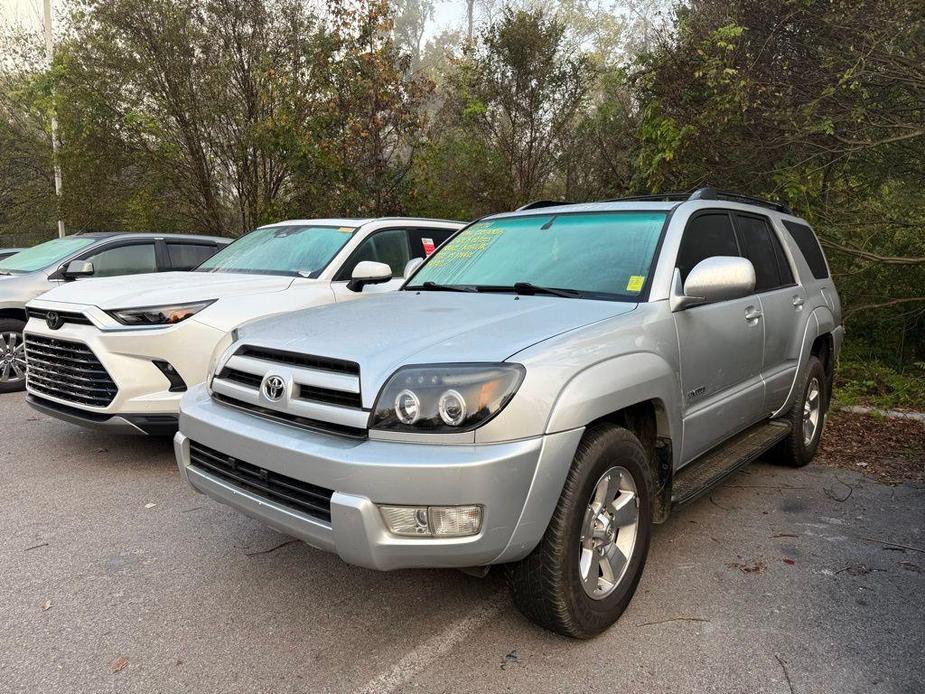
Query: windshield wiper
x=528, y=289
x=434, y=287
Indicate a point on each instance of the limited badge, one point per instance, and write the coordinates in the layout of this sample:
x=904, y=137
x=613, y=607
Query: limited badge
x=429, y=246
x=635, y=283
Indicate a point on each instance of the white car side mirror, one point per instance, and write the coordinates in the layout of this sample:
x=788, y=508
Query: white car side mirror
x=368, y=272
x=411, y=266
x=719, y=278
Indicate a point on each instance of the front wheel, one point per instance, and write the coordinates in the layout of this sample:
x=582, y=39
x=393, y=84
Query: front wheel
x=582, y=575
x=12, y=356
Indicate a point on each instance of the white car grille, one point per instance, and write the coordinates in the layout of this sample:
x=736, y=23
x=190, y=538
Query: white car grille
x=67, y=370
x=313, y=392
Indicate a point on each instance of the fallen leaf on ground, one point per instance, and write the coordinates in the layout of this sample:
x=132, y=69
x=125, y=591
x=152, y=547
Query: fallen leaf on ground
x=119, y=664
x=150, y=505
x=46, y=605
x=756, y=568
x=789, y=561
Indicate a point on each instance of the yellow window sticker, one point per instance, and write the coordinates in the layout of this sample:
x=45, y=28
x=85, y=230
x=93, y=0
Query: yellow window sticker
x=345, y=230
x=635, y=283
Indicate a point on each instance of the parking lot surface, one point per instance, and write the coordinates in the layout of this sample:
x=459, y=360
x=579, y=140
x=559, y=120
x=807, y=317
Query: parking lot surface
x=116, y=577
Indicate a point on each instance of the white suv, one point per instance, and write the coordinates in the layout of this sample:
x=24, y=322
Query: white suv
x=119, y=352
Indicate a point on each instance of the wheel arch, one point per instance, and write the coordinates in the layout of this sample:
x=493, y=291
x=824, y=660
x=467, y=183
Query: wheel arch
x=639, y=392
x=14, y=313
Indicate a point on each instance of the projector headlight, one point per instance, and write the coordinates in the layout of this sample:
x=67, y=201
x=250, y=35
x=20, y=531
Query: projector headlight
x=159, y=315
x=443, y=398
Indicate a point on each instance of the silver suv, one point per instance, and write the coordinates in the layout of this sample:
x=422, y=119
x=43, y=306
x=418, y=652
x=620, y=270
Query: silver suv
x=546, y=386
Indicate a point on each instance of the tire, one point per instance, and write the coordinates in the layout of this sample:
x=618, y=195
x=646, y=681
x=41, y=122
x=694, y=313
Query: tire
x=12, y=356
x=798, y=449
x=547, y=585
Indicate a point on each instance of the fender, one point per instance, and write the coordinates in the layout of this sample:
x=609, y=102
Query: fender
x=617, y=383
x=820, y=321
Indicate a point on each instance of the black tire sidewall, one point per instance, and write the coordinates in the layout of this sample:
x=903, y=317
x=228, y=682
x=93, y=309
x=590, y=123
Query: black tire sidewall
x=610, y=447
x=12, y=325
x=802, y=454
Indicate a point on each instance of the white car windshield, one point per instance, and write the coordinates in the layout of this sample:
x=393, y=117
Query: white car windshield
x=281, y=250
x=45, y=254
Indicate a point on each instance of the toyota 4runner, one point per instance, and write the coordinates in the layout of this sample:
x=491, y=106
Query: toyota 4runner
x=544, y=388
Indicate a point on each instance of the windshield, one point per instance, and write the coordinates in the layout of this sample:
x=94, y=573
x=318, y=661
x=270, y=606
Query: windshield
x=280, y=250
x=45, y=254
x=600, y=255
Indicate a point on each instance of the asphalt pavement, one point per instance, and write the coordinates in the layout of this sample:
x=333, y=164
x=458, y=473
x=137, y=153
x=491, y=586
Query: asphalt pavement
x=114, y=576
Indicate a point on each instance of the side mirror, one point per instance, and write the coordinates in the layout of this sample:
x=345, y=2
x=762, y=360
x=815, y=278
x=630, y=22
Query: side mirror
x=78, y=268
x=411, y=266
x=368, y=272
x=714, y=279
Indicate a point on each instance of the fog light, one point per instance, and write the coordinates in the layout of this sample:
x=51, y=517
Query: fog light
x=455, y=521
x=406, y=520
x=432, y=521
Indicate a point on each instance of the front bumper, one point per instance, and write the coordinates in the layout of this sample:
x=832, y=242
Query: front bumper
x=517, y=483
x=144, y=402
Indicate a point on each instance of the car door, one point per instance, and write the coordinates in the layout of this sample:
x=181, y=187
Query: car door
x=781, y=300
x=720, y=346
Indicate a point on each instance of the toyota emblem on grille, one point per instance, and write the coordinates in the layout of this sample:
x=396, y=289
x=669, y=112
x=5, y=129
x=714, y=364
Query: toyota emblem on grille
x=273, y=388
x=53, y=320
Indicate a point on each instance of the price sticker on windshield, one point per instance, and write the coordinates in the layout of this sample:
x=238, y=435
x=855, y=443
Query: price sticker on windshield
x=429, y=246
x=635, y=283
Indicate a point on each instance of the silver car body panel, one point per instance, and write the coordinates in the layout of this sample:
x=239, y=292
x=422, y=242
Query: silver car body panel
x=709, y=371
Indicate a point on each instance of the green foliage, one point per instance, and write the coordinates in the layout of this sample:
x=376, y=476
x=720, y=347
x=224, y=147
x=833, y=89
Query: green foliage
x=873, y=383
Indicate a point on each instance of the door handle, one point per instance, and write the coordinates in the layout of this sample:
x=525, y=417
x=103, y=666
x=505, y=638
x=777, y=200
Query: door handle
x=798, y=301
x=752, y=314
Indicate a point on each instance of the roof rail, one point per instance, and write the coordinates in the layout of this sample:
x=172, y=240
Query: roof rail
x=654, y=197
x=539, y=204
x=709, y=193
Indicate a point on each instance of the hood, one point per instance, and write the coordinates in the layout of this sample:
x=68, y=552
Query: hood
x=384, y=332
x=164, y=288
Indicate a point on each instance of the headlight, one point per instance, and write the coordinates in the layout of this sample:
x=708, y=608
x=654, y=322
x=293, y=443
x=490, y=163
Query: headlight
x=159, y=315
x=441, y=398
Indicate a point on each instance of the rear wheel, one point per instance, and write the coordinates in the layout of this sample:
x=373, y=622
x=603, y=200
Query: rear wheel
x=582, y=575
x=807, y=418
x=12, y=356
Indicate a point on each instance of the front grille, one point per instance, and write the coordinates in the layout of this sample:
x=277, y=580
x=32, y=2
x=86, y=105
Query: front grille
x=67, y=370
x=321, y=393
x=65, y=316
x=301, y=496
x=242, y=377
x=288, y=418
x=308, y=361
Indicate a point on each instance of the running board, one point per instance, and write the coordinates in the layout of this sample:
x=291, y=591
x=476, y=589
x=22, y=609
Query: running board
x=710, y=469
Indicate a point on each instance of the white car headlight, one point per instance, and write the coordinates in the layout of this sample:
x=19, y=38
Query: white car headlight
x=159, y=315
x=443, y=398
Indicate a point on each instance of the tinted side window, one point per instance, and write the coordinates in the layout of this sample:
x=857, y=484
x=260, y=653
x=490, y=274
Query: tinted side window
x=705, y=236
x=755, y=239
x=389, y=247
x=124, y=260
x=809, y=247
x=426, y=241
x=186, y=256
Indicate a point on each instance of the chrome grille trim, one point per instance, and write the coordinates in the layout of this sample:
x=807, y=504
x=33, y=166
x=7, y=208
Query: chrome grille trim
x=320, y=393
x=68, y=371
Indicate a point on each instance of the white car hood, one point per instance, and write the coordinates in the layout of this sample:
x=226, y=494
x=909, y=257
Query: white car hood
x=164, y=288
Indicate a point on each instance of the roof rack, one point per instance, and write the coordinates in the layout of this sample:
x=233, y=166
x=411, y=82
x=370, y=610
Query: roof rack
x=705, y=193
x=709, y=193
x=539, y=204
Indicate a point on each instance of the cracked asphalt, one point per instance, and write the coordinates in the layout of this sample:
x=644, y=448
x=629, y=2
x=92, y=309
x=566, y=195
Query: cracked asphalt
x=116, y=577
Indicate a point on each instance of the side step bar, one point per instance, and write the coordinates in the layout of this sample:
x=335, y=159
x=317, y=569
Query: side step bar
x=703, y=474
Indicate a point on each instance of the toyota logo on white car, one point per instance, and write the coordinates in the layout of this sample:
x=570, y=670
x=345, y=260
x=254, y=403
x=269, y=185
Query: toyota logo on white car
x=273, y=388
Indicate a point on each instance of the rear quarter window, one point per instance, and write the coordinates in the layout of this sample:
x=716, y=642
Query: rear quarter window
x=809, y=246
